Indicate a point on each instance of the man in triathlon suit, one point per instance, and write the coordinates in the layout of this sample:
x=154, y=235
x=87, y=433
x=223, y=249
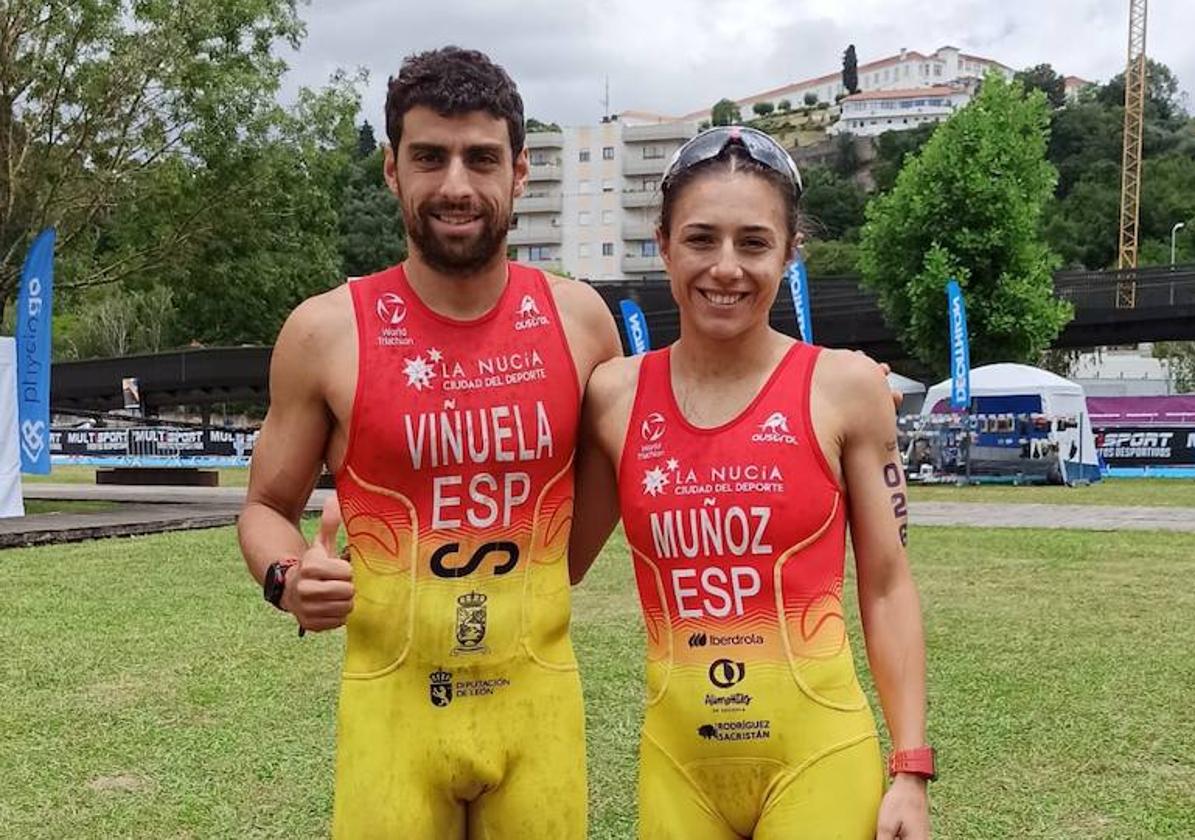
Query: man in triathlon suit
x=739, y=457
x=444, y=395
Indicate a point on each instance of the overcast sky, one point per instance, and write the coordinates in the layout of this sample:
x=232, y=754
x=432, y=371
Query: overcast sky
x=675, y=56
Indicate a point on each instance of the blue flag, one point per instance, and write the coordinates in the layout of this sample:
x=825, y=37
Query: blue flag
x=960, y=349
x=798, y=284
x=636, y=326
x=34, y=304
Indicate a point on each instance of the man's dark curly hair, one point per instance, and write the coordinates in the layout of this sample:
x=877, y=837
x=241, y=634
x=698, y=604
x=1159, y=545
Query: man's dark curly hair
x=453, y=81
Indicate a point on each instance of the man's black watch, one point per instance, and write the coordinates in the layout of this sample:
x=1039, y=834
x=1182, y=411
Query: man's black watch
x=275, y=583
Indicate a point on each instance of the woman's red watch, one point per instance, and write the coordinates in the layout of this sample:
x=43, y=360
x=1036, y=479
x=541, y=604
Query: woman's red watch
x=918, y=762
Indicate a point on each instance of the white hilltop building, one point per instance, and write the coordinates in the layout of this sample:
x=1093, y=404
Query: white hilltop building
x=902, y=71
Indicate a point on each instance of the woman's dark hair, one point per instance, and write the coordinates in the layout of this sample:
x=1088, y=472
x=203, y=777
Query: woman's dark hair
x=453, y=81
x=733, y=158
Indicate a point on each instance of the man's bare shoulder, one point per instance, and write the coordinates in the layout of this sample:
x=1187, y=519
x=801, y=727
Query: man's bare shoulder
x=320, y=319
x=317, y=339
x=576, y=298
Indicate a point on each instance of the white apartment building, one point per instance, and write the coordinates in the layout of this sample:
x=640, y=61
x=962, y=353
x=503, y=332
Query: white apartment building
x=874, y=112
x=593, y=198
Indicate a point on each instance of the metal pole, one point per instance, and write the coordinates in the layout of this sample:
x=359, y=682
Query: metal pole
x=1173, y=235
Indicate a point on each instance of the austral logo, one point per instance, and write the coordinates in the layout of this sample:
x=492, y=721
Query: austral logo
x=528, y=315
x=774, y=430
x=392, y=309
x=724, y=673
x=440, y=688
x=653, y=427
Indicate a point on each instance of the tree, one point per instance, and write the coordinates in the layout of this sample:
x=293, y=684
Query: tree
x=969, y=206
x=534, y=126
x=830, y=258
x=1180, y=356
x=850, y=70
x=892, y=148
x=111, y=321
x=785, y=105
x=810, y=99
x=832, y=205
x=845, y=161
x=366, y=142
x=763, y=108
x=282, y=244
x=725, y=112
x=93, y=95
x=1082, y=136
x=704, y=125
x=372, y=236
x=1044, y=78
x=240, y=267
x=1085, y=146
x=1082, y=228
x=1162, y=98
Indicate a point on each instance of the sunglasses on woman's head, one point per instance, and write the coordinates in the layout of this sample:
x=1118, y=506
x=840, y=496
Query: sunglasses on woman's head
x=761, y=148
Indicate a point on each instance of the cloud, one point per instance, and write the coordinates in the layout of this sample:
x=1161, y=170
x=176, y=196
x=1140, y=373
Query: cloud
x=675, y=56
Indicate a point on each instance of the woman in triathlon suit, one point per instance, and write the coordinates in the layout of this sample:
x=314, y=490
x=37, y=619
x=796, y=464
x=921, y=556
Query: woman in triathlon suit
x=738, y=457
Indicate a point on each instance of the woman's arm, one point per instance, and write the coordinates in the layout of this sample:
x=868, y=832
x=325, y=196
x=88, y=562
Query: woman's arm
x=888, y=601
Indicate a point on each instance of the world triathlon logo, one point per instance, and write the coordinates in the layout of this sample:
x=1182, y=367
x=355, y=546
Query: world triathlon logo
x=774, y=430
x=391, y=309
x=528, y=316
x=653, y=427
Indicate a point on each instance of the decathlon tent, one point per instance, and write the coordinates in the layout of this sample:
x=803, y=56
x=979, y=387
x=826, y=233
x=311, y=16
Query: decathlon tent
x=1009, y=389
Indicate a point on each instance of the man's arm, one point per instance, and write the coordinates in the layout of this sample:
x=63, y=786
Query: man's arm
x=596, y=509
x=593, y=339
x=888, y=602
x=289, y=452
x=286, y=463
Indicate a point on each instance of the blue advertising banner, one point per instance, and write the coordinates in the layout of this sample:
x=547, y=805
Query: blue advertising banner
x=34, y=304
x=960, y=349
x=798, y=284
x=636, y=326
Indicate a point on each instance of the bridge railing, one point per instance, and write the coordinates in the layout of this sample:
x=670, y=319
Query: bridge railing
x=1157, y=287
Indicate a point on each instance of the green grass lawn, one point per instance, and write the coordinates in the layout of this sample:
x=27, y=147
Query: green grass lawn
x=147, y=691
x=1123, y=491
x=37, y=506
x=72, y=474
x=1158, y=492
